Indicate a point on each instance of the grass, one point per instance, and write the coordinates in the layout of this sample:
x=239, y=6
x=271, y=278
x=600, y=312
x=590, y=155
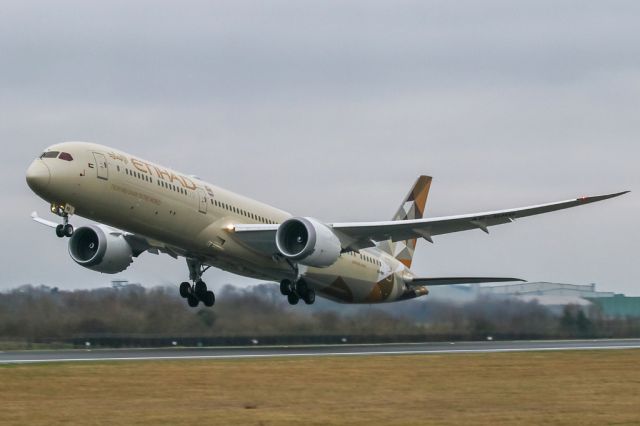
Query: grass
x=562, y=388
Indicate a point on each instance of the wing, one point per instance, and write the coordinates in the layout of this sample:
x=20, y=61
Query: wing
x=366, y=234
x=138, y=243
x=358, y=235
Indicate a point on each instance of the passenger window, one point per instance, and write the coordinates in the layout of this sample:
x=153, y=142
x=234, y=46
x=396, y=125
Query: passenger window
x=65, y=156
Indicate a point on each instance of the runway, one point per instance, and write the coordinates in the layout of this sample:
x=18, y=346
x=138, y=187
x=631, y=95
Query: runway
x=21, y=357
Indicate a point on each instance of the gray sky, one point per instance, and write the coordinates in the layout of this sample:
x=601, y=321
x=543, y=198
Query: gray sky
x=331, y=109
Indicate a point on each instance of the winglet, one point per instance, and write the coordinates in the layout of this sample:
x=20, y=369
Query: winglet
x=593, y=199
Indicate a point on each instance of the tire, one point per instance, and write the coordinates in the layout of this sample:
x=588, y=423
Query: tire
x=60, y=231
x=68, y=230
x=185, y=289
x=310, y=297
x=285, y=287
x=193, y=300
x=302, y=288
x=209, y=299
x=200, y=289
x=293, y=299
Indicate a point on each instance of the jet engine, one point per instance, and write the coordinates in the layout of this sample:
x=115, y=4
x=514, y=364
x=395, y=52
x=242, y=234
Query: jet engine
x=308, y=241
x=94, y=247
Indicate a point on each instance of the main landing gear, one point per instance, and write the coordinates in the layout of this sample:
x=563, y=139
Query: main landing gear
x=197, y=292
x=296, y=291
x=65, y=229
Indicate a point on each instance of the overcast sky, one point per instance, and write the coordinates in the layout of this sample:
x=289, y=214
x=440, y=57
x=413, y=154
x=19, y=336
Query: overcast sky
x=331, y=109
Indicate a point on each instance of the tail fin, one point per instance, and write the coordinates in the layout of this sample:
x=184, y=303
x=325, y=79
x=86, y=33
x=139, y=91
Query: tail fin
x=412, y=207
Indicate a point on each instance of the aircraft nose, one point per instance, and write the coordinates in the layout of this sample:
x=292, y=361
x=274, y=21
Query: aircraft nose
x=38, y=175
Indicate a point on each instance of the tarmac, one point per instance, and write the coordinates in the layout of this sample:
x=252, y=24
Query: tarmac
x=257, y=351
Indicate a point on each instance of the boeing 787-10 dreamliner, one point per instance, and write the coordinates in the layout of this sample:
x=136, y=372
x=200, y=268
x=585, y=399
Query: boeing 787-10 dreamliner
x=139, y=206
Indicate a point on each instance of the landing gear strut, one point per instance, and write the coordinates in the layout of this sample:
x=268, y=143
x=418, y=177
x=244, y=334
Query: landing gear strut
x=65, y=229
x=297, y=291
x=197, y=292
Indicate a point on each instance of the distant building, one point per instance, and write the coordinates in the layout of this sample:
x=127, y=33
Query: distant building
x=546, y=289
x=125, y=285
x=554, y=296
x=618, y=306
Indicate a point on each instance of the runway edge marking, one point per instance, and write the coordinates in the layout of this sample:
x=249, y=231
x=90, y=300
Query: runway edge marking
x=297, y=355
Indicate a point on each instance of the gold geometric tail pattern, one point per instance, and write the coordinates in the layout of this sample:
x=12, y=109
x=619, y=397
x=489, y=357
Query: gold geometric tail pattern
x=411, y=208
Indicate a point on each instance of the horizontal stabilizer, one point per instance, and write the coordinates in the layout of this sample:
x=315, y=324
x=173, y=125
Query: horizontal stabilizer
x=459, y=280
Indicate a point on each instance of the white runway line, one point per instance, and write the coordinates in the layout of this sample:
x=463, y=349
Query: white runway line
x=295, y=355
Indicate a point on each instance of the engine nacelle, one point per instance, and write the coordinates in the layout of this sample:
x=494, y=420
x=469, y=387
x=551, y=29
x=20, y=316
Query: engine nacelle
x=95, y=248
x=308, y=241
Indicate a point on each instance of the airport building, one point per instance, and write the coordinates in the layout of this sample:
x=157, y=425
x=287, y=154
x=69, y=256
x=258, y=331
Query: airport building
x=554, y=296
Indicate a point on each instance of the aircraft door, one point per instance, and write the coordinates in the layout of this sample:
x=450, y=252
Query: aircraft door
x=202, y=200
x=101, y=166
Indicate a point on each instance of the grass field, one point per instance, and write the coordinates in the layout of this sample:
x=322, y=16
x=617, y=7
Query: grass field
x=564, y=388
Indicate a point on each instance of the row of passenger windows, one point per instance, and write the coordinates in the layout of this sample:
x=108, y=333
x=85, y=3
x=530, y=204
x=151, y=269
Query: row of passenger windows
x=180, y=190
x=241, y=212
x=149, y=179
x=366, y=258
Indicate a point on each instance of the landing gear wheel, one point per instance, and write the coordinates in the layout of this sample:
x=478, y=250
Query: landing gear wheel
x=293, y=298
x=192, y=300
x=67, y=229
x=302, y=288
x=200, y=289
x=285, y=287
x=309, y=297
x=60, y=231
x=209, y=299
x=185, y=289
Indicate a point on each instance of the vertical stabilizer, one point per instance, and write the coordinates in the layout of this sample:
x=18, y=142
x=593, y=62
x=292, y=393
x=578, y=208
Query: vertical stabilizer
x=412, y=207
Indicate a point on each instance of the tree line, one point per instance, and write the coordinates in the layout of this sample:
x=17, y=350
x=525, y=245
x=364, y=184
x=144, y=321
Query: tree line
x=44, y=314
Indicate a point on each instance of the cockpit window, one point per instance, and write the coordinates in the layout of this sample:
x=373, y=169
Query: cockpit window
x=65, y=156
x=50, y=154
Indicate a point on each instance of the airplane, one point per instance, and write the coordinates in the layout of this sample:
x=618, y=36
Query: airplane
x=138, y=206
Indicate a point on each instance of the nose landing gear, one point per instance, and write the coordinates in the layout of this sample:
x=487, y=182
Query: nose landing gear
x=197, y=292
x=65, y=229
x=297, y=291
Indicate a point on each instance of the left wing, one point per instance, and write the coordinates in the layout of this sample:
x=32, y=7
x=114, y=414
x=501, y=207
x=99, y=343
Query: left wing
x=358, y=235
x=138, y=243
